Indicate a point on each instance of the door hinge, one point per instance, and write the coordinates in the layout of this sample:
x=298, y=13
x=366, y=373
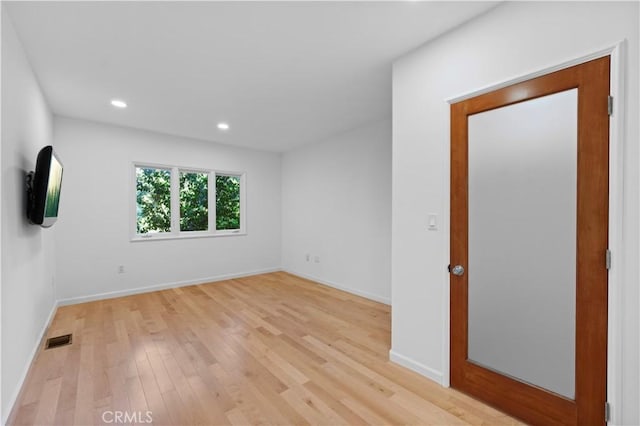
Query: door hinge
x=607, y=412
x=610, y=105
x=608, y=259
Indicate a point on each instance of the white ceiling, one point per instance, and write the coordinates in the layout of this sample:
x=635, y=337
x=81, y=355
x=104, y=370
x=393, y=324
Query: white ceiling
x=282, y=74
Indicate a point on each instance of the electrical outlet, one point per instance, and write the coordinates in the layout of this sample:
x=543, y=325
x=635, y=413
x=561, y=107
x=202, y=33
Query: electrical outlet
x=316, y=259
x=121, y=269
x=308, y=257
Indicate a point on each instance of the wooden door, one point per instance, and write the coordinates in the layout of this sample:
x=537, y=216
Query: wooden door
x=583, y=400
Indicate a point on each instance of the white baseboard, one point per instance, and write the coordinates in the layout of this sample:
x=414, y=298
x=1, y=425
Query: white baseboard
x=419, y=368
x=366, y=295
x=27, y=367
x=163, y=286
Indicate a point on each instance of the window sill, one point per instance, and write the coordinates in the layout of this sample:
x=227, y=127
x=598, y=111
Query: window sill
x=186, y=236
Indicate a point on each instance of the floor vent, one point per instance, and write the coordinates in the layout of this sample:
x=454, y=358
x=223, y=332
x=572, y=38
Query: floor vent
x=55, y=342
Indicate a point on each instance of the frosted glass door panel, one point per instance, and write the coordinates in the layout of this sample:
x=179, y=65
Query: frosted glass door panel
x=522, y=240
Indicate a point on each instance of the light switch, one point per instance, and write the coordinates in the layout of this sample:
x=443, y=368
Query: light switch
x=432, y=222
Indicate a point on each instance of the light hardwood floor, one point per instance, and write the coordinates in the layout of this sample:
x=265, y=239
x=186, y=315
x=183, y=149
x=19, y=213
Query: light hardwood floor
x=267, y=349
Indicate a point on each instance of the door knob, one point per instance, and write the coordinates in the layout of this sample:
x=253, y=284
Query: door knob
x=458, y=270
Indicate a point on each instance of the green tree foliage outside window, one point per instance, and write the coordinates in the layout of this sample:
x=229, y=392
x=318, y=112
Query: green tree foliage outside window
x=153, y=201
x=153, y=198
x=194, y=201
x=227, y=202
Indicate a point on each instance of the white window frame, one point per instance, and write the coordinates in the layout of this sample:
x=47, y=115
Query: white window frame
x=175, y=232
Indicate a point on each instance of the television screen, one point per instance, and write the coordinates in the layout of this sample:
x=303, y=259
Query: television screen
x=44, y=197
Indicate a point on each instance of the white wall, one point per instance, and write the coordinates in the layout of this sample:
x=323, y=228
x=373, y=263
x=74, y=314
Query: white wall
x=1, y=49
x=28, y=295
x=512, y=40
x=337, y=206
x=92, y=232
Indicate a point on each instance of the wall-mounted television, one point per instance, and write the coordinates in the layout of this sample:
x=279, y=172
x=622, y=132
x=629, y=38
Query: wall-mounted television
x=43, y=198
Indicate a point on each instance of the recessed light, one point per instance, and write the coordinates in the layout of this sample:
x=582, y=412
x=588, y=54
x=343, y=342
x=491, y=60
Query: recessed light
x=223, y=126
x=118, y=103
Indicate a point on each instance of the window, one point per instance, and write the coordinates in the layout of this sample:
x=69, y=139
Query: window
x=174, y=202
x=153, y=200
x=227, y=202
x=194, y=201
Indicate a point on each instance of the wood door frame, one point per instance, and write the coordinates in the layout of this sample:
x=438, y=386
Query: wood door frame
x=617, y=52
